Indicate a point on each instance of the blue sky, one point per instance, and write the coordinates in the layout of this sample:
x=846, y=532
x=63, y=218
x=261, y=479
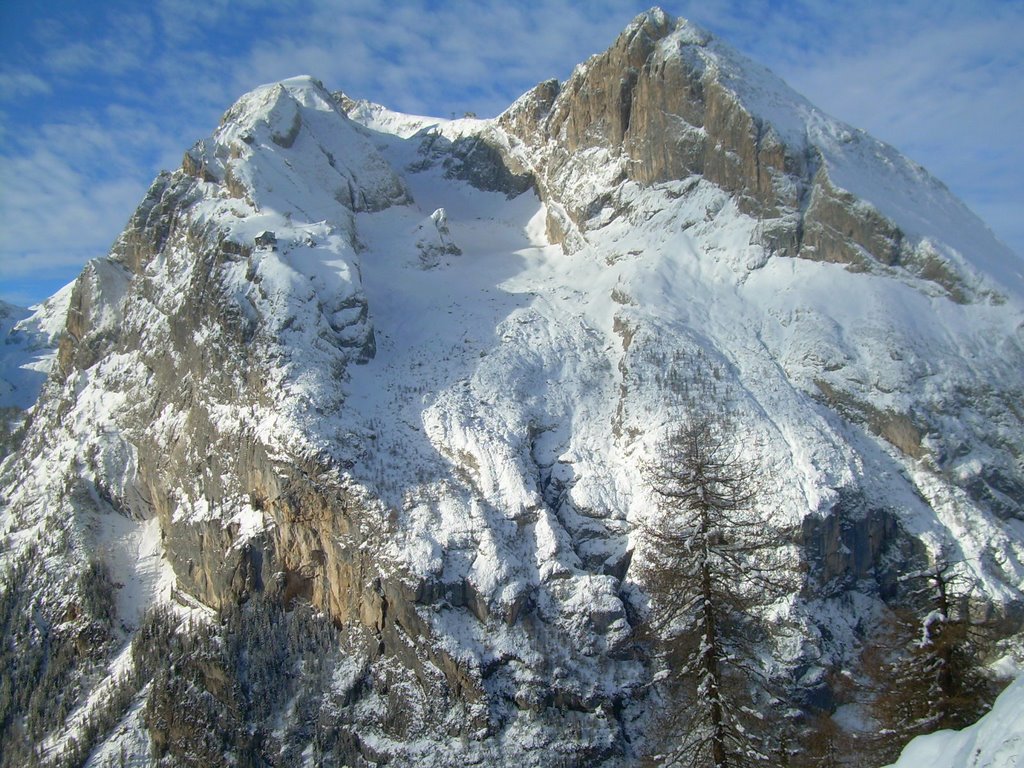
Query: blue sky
x=96, y=97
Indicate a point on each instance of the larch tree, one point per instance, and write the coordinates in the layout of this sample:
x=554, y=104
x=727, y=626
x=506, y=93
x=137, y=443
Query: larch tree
x=933, y=677
x=710, y=560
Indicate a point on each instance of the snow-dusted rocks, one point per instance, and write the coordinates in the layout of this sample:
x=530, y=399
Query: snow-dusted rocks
x=408, y=370
x=434, y=241
x=668, y=100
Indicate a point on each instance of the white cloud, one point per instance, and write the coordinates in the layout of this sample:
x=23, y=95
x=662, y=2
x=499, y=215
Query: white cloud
x=421, y=58
x=17, y=85
x=55, y=216
x=122, y=46
x=70, y=187
x=180, y=20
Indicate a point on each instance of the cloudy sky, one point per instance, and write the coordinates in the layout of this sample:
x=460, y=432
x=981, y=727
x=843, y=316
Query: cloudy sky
x=96, y=97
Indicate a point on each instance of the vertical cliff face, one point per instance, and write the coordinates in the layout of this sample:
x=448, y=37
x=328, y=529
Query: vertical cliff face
x=668, y=101
x=658, y=103
x=407, y=372
x=657, y=97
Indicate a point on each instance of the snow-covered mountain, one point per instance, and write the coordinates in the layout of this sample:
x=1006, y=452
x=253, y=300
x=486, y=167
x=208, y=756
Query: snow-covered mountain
x=27, y=352
x=29, y=347
x=409, y=371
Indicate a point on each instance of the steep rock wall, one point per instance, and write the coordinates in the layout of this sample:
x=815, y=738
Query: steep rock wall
x=233, y=519
x=658, y=106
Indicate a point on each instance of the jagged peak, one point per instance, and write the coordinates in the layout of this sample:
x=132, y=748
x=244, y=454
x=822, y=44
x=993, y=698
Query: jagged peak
x=273, y=102
x=648, y=95
x=659, y=24
x=654, y=21
x=759, y=90
x=299, y=87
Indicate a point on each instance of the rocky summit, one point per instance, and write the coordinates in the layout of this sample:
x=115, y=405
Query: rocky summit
x=366, y=443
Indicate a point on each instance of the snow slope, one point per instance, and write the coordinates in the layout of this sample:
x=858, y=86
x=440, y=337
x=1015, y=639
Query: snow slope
x=874, y=172
x=29, y=347
x=995, y=741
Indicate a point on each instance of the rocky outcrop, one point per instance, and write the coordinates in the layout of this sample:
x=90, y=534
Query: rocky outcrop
x=657, y=108
x=474, y=159
x=434, y=240
x=151, y=224
x=839, y=228
x=897, y=429
x=857, y=546
x=661, y=104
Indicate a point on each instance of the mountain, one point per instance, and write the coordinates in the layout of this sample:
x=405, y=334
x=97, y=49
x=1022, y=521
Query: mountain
x=342, y=456
x=29, y=343
x=26, y=356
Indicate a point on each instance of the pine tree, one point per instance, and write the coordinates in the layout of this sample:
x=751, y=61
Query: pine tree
x=709, y=562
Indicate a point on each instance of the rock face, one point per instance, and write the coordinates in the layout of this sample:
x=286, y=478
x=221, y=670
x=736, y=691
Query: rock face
x=406, y=372
x=652, y=99
x=667, y=101
x=214, y=327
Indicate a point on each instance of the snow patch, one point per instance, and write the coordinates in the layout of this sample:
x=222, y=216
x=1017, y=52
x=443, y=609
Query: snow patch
x=995, y=741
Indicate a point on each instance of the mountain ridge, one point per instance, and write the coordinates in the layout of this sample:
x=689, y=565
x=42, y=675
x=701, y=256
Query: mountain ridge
x=795, y=155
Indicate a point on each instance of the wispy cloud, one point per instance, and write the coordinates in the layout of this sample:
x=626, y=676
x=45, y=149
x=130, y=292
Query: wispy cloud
x=59, y=210
x=17, y=85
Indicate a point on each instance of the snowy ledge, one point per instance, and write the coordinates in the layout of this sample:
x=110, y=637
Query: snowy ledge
x=995, y=741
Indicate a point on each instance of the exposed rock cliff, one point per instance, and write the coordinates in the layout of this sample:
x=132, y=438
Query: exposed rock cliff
x=667, y=101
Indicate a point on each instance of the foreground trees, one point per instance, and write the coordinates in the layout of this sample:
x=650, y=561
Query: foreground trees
x=713, y=565
x=930, y=675
x=709, y=562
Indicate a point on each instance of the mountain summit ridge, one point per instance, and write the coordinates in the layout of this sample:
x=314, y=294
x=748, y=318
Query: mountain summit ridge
x=408, y=371
x=824, y=189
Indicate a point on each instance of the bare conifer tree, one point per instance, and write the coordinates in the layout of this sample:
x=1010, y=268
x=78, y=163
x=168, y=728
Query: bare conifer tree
x=932, y=678
x=709, y=561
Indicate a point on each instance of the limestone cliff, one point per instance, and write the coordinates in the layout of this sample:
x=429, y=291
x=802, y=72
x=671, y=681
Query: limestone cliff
x=667, y=101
